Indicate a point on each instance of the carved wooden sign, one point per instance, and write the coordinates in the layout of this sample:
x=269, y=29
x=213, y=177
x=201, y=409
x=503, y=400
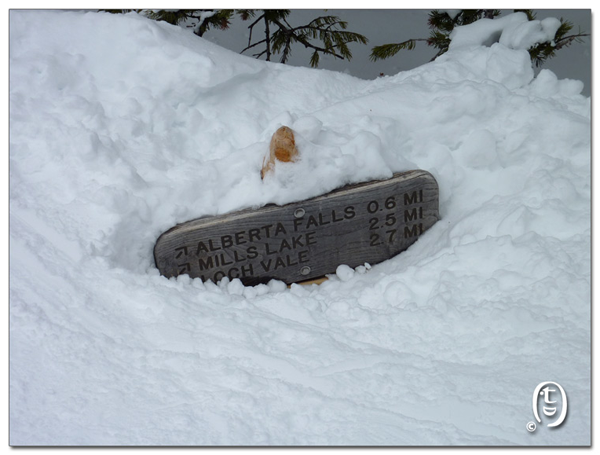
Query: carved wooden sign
x=368, y=222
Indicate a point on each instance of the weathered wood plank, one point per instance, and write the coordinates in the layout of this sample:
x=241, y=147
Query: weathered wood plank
x=368, y=222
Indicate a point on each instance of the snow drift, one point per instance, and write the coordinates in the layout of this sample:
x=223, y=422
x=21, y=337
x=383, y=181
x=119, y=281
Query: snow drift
x=121, y=127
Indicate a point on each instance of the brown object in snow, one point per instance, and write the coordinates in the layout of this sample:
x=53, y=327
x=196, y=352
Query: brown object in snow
x=282, y=148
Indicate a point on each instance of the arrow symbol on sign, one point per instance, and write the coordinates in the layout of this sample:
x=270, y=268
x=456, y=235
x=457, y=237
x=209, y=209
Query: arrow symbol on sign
x=183, y=251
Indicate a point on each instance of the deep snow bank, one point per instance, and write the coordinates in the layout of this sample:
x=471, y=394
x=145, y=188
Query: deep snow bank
x=121, y=127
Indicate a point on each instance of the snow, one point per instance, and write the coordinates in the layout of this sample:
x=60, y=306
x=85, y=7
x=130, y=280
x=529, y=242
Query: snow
x=344, y=273
x=514, y=31
x=121, y=127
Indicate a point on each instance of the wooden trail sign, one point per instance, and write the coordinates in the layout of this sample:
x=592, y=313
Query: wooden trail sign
x=368, y=222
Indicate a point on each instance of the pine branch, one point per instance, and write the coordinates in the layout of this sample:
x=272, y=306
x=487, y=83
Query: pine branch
x=545, y=51
x=314, y=59
x=246, y=14
x=568, y=40
x=440, y=52
x=218, y=18
x=287, y=50
x=324, y=35
x=318, y=48
x=173, y=17
x=389, y=50
x=330, y=30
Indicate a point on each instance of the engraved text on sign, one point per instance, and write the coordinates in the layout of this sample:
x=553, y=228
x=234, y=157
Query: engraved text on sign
x=368, y=222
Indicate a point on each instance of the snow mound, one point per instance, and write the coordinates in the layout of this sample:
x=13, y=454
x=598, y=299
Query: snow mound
x=121, y=127
x=514, y=31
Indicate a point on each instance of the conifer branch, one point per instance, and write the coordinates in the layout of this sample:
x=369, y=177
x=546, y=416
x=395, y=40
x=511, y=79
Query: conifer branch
x=329, y=30
x=389, y=50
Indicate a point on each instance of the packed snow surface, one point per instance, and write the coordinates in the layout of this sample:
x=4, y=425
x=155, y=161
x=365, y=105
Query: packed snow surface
x=121, y=127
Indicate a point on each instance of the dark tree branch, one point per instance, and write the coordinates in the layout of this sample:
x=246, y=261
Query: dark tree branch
x=280, y=36
x=320, y=49
x=256, y=21
x=253, y=45
x=268, y=39
x=307, y=44
x=568, y=40
x=251, y=27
